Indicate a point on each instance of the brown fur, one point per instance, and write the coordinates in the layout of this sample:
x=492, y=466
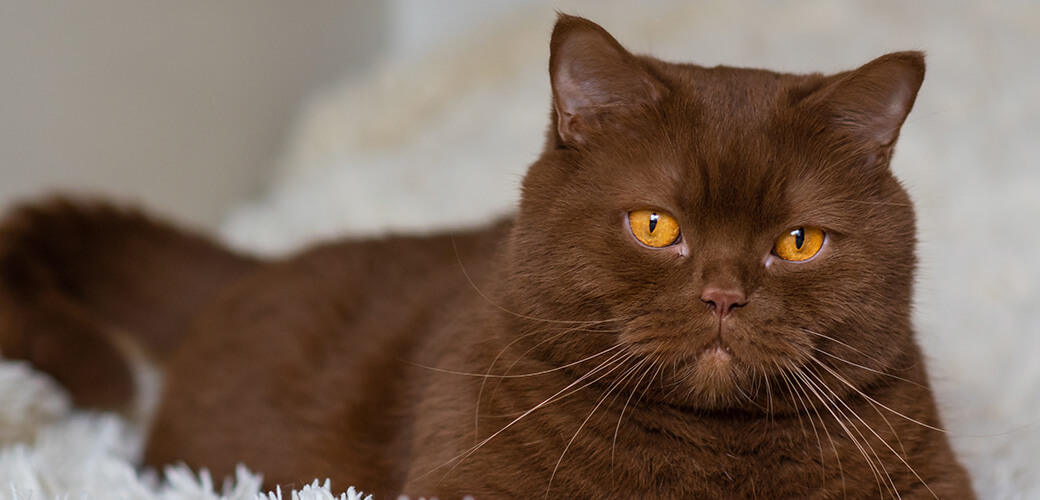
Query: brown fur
x=550, y=355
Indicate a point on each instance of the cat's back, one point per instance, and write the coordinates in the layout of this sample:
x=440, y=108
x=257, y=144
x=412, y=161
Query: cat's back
x=312, y=344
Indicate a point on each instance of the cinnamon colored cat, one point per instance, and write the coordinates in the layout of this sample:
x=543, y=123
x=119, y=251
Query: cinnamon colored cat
x=705, y=293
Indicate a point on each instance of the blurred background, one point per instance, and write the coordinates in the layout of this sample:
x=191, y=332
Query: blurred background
x=181, y=105
x=273, y=124
x=184, y=106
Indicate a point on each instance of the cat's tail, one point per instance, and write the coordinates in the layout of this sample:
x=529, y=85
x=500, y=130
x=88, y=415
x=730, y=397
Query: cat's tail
x=89, y=290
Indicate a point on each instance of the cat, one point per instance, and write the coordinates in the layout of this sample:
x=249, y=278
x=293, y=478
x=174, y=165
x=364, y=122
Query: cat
x=705, y=292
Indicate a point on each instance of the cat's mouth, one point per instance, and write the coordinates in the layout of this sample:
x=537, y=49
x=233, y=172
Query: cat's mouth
x=719, y=355
x=713, y=364
x=713, y=377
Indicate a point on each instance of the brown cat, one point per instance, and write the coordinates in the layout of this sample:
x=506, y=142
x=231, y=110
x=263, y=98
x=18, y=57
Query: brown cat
x=705, y=293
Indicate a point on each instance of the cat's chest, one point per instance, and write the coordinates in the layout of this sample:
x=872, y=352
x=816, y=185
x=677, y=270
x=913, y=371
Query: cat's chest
x=688, y=457
x=605, y=448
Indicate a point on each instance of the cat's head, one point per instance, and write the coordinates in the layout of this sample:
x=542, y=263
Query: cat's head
x=727, y=226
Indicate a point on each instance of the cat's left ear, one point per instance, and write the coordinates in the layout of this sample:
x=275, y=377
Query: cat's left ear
x=872, y=102
x=595, y=81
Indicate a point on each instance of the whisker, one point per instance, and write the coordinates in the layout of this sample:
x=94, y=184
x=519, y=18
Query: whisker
x=928, y=426
x=522, y=375
x=872, y=400
x=873, y=405
x=617, y=429
x=787, y=381
x=883, y=441
x=832, y=339
x=611, y=361
x=876, y=203
x=869, y=428
x=486, y=298
x=649, y=383
x=823, y=461
x=462, y=267
x=483, y=383
x=867, y=368
x=522, y=356
x=552, y=338
x=828, y=403
x=769, y=394
x=617, y=383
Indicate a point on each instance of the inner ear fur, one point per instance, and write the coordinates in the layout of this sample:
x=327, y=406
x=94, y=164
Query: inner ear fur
x=872, y=102
x=593, y=79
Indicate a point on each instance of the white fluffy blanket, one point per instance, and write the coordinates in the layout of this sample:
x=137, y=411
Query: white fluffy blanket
x=440, y=138
x=51, y=451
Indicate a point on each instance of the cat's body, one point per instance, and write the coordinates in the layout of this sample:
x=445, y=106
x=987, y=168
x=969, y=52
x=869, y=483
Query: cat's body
x=570, y=352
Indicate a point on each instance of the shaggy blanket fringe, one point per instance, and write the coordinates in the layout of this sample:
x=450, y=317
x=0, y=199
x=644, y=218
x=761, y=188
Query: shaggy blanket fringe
x=52, y=451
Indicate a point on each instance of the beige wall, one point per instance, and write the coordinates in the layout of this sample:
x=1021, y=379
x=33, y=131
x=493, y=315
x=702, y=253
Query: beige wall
x=183, y=104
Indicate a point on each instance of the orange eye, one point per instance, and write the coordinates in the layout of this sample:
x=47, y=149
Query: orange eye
x=652, y=228
x=799, y=244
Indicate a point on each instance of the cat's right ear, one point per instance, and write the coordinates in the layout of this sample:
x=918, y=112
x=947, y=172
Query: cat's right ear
x=594, y=80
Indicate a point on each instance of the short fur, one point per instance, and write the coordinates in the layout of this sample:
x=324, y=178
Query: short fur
x=552, y=354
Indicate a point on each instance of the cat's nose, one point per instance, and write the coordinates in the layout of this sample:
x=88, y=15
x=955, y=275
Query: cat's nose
x=723, y=301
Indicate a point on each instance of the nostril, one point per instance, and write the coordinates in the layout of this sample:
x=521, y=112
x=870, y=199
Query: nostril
x=723, y=301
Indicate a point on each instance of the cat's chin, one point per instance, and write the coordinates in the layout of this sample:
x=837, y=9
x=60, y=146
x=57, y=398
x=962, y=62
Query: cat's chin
x=715, y=380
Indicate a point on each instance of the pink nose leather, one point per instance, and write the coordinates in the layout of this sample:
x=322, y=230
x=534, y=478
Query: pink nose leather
x=723, y=301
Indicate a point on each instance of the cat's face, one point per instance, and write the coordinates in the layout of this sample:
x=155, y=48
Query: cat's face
x=724, y=228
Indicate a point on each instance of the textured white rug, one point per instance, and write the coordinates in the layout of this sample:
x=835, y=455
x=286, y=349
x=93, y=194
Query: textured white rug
x=50, y=450
x=441, y=140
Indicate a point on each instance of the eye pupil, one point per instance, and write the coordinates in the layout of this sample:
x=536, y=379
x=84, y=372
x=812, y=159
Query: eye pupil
x=799, y=244
x=653, y=229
